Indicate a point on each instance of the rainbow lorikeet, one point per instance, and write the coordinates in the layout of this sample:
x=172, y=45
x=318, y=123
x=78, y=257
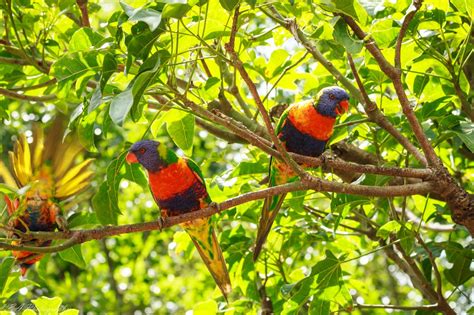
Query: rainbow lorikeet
x=47, y=173
x=304, y=128
x=178, y=187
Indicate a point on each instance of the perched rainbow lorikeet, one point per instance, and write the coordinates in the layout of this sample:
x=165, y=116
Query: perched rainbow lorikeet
x=304, y=128
x=48, y=174
x=178, y=187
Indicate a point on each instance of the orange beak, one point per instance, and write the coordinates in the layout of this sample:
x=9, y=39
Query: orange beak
x=131, y=158
x=342, y=107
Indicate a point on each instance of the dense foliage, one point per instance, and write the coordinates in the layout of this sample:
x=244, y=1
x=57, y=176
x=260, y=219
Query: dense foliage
x=137, y=69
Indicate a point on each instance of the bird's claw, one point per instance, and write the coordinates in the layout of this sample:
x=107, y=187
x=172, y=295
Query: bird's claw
x=161, y=222
x=62, y=223
x=214, y=205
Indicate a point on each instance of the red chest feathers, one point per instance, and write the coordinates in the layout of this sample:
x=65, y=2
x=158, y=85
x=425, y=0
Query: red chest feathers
x=171, y=180
x=307, y=120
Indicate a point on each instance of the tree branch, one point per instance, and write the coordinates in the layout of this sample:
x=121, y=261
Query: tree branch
x=30, y=98
x=75, y=237
x=376, y=116
x=82, y=4
x=416, y=5
x=237, y=63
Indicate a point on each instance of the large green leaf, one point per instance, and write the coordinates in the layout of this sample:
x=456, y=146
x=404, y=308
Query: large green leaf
x=105, y=201
x=149, y=16
x=467, y=134
x=120, y=106
x=73, y=255
x=5, y=268
x=180, y=127
x=72, y=66
x=84, y=39
x=229, y=5
x=341, y=35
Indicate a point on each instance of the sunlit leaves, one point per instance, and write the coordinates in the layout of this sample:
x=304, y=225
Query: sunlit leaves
x=180, y=127
x=129, y=100
x=72, y=66
x=149, y=16
x=73, y=255
x=84, y=39
x=51, y=306
x=121, y=105
x=324, y=283
x=106, y=199
x=342, y=36
x=5, y=267
x=461, y=259
x=229, y=5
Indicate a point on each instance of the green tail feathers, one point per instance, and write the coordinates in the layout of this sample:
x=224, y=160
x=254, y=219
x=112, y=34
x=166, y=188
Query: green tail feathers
x=204, y=238
x=270, y=209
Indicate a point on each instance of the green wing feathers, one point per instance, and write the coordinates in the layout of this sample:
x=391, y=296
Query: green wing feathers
x=204, y=238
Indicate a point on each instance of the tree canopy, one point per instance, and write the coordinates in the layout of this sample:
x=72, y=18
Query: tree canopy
x=382, y=222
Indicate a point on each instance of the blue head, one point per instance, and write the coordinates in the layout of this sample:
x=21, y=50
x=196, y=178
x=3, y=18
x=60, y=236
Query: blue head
x=332, y=101
x=146, y=153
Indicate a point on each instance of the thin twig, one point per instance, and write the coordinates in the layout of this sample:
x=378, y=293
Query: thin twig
x=237, y=63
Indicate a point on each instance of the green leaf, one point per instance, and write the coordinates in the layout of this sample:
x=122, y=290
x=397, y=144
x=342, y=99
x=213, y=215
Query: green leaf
x=73, y=255
x=467, y=134
x=465, y=6
x=340, y=6
x=134, y=173
x=208, y=307
x=229, y=5
x=120, y=106
x=461, y=258
x=320, y=307
x=175, y=10
x=407, y=239
x=47, y=306
x=109, y=66
x=5, y=268
x=149, y=16
x=341, y=35
x=105, y=206
x=180, y=127
x=84, y=39
x=389, y=227
x=140, y=83
x=6, y=190
x=72, y=66
x=105, y=201
x=85, y=131
x=384, y=33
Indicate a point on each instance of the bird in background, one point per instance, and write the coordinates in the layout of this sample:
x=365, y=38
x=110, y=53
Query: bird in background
x=304, y=128
x=46, y=173
x=178, y=187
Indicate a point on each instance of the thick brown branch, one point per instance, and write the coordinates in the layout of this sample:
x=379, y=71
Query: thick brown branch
x=82, y=4
x=81, y=236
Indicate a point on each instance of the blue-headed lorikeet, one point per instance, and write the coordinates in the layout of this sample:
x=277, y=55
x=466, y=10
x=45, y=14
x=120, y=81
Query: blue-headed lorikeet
x=304, y=128
x=47, y=172
x=178, y=187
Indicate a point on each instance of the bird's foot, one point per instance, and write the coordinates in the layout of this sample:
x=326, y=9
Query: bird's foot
x=161, y=222
x=214, y=205
x=62, y=223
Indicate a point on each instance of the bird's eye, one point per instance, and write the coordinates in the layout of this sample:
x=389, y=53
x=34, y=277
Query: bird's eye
x=332, y=96
x=142, y=150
